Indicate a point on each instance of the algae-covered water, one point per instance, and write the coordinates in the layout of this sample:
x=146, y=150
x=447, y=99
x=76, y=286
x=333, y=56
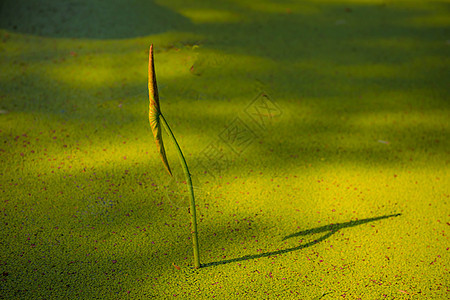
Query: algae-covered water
x=317, y=134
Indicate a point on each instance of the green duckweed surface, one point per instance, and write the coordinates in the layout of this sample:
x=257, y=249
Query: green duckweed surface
x=317, y=133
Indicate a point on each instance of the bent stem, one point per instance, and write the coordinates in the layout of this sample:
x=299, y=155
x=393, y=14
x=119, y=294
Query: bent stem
x=193, y=210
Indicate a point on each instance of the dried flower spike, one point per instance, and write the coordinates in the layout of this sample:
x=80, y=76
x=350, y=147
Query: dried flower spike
x=154, y=111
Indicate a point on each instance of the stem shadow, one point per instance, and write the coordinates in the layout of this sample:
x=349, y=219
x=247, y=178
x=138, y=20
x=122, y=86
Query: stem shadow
x=331, y=229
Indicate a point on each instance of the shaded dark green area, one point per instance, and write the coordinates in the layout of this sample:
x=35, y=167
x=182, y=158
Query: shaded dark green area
x=88, y=19
x=334, y=85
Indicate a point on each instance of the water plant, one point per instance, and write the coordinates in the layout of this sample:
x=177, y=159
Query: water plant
x=156, y=119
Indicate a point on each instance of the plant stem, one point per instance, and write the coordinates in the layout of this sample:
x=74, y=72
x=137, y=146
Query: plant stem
x=193, y=210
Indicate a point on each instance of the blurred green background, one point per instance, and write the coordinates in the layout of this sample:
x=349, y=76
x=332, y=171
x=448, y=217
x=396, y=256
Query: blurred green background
x=293, y=116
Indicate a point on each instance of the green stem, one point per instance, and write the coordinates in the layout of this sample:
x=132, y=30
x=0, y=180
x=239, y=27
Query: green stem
x=193, y=210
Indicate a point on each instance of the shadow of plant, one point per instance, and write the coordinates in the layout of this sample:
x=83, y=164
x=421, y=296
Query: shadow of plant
x=329, y=229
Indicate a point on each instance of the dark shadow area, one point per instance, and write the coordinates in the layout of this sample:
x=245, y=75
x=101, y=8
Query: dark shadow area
x=330, y=229
x=114, y=19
